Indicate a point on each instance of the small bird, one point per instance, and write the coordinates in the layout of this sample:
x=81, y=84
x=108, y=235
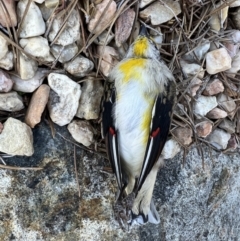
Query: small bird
x=136, y=121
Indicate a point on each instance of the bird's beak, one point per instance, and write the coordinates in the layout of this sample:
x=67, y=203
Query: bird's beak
x=143, y=30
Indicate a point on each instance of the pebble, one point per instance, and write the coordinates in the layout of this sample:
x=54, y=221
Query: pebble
x=33, y=24
x=214, y=87
x=109, y=58
x=217, y=19
x=28, y=86
x=79, y=67
x=51, y=3
x=6, y=82
x=37, y=46
x=159, y=13
x=235, y=67
x=217, y=61
x=228, y=126
x=232, y=143
x=204, y=128
x=99, y=21
x=7, y=61
x=64, y=98
x=27, y=67
x=216, y=114
x=194, y=86
x=39, y=1
x=204, y=104
x=3, y=46
x=235, y=36
x=46, y=11
x=219, y=138
x=11, y=9
x=71, y=31
x=235, y=4
x=89, y=103
x=82, y=132
x=64, y=53
x=37, y=105
x=144, y=3
x=183, y=135
x=123, y=26
x=170, y=149
x=191, y=69
x=227, y=103
x=11, y=101
x=16, y=138
x=104, y=38
x=231, y=48
x=199, y=52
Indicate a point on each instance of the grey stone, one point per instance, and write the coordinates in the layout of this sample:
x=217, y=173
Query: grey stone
x=89, y=103
x=7, y=61
x=11, y=101
x=16, y=138
x=28, y=67
x=219, y=139
x=228, y=126
x=6, y=82
x=63, y=99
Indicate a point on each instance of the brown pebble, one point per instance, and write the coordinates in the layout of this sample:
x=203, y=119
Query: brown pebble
x=214, y=87
x=216, y=113
x=37, y=105
x=204, y=128
x=183, y=135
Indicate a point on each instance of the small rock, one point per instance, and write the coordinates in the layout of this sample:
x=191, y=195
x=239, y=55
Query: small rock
x=3, y=45
x=37, y=105
x=11, y=101
x=144, y=3
x=27, y=67
x=82, y=132
x=6, y=82
x=51, y=3
x=104, y=38
x=216, y=114
x=214, y=87
x=199, y=52
x=89, y=103
x=217, y=61
x=28, y=86
x=204, y=128
x=235, y=36
x=71, y=32
x=109, y=56
x=235, y=67
x=191, y=69
x=99, y=21
x=11, y=9
x=33, y=24
x=16, y=138
x=204, y=104
x=235, y=4
x=231, y=90
x=183, y=135
x=231, y=48
x=228, y=126
x=39, y=1
x=36, y=46
x=219, y=139
x=123, y=26
x=232, y=143
x=170, y=149
x=159, y=13
x=64, y=53
x=64, y=98
x=227, y=103
x=194, y=86
x=7, y=61
x=46, y=12
x=217, y=19
x=79, y=67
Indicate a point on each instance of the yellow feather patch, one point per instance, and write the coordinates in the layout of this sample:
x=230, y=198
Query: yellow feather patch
x=147, y=117
x=140, y=47
x=130, y=69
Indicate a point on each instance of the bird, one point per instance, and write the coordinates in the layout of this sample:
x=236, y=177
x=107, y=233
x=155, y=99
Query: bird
x=136, y=119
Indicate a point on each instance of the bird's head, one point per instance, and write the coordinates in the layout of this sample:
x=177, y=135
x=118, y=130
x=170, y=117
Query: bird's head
x=143, y=46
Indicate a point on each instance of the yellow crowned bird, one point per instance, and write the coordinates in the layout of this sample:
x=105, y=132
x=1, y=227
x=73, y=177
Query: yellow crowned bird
x=136, y=122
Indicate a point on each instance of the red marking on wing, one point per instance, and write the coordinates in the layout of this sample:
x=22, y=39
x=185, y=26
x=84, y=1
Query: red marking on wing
x=112, y=131
x=155, y=133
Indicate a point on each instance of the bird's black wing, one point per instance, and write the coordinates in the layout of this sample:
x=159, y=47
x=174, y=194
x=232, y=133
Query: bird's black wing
x=161, y=121
x=111, y=138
